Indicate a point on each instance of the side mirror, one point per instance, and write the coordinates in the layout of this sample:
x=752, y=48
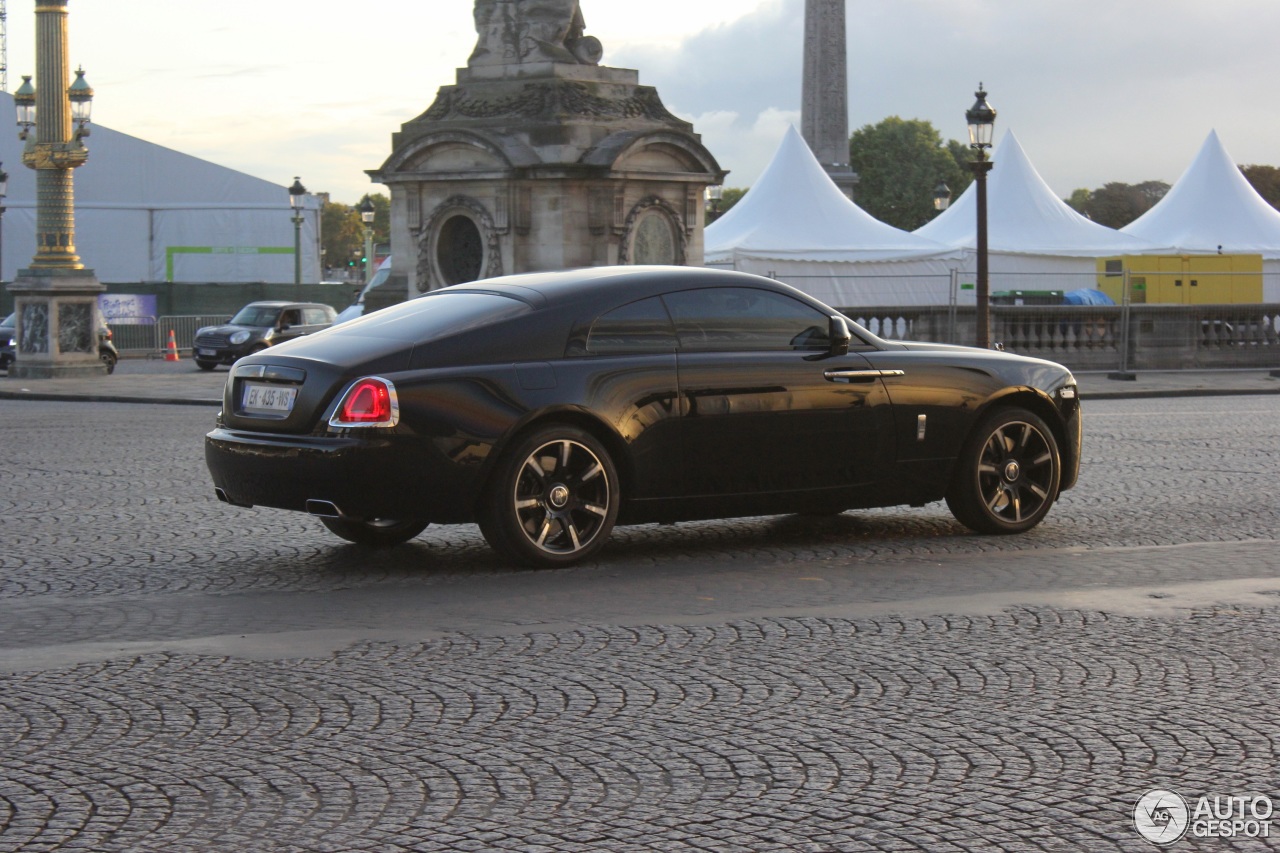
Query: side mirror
x=839, y=335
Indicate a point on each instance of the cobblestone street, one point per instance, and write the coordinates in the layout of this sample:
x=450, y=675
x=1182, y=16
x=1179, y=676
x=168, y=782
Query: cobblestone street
x=181, y=675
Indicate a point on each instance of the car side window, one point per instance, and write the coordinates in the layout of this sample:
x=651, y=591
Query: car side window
x=314, y=316
x=746, y=319
x=638, y=327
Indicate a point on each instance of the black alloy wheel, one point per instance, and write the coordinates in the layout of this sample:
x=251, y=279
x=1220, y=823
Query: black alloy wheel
x=553, y=500
x=1008, y=474
x=374, y=533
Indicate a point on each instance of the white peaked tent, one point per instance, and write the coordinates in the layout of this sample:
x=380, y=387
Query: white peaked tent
x=148, y=213
x=1029, y=229
x=1212, y=207
x=796, y=224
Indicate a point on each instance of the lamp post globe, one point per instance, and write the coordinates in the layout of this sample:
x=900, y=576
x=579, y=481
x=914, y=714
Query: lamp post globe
x=941, y=197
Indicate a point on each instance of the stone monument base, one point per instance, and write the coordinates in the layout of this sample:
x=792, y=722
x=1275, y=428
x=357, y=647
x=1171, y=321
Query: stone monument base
x=57, y=324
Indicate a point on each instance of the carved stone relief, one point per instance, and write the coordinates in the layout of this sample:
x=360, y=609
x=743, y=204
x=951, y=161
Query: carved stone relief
x=511, y=32
x=447, y=246
x=652, y=235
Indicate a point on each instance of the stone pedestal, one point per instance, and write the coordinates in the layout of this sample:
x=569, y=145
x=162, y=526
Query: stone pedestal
x=57, y=324
x=542, y=165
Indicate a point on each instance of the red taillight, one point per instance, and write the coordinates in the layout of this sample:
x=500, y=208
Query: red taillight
x=370, y=402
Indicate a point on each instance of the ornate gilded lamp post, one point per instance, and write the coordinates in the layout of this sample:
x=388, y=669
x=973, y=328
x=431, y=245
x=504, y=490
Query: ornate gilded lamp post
x=366, y=216
x=56, y=298
x=982, y=120
x=297, y=193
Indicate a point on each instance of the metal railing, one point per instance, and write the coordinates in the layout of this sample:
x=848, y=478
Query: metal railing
x=184, y=328
x=136, y=335
x=133, y=334
x=1101, y=337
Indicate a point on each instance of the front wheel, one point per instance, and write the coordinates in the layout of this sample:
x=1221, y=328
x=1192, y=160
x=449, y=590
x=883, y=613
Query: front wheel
x=375, y=533
x=1008, y=474
x=553, y=498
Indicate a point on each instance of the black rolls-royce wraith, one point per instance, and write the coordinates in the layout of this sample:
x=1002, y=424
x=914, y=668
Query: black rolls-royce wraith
x=549, y=407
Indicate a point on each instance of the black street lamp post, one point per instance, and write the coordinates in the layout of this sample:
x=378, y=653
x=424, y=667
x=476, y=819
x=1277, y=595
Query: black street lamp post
x=296, y=194
x=4, y=192
x=982, y=119
x=366, y=217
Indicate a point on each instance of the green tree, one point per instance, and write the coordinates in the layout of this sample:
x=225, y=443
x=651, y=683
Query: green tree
x=899, y=163
x=343, y=235
x=1079, y=201
x=1116, y=204
x=1266, y=180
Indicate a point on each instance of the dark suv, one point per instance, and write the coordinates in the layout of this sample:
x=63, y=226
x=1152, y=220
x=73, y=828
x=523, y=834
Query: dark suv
x=257, y=326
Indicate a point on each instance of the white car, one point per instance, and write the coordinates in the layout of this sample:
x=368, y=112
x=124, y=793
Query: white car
x=356, y=309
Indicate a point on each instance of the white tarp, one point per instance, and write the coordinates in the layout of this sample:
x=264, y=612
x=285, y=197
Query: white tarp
x=148, y=213
x=1026, y=218
x=796, y=225
x=1212, y=208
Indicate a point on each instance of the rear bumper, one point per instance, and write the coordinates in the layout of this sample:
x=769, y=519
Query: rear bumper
x=363, y=477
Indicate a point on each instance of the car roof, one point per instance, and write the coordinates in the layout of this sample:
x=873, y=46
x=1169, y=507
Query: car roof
x=553, y=288
x=280, y=303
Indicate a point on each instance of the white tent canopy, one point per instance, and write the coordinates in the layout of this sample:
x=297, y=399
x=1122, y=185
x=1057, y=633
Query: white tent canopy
x=795, y=212
x=1026, y=217
x=795, y=223
x=148, y=213
x=1212, y=208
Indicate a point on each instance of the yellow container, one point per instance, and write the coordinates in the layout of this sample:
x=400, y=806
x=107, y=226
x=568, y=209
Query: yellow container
x=1183, y=279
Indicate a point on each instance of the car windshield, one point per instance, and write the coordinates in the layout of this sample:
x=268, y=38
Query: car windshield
x=11, y=320
x=256, y=315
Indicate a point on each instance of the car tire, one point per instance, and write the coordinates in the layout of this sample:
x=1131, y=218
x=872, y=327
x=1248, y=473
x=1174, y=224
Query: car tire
x=206, y=365
x=553, y=498
x=1008, y=473
x=108, y=359
x=375, y=533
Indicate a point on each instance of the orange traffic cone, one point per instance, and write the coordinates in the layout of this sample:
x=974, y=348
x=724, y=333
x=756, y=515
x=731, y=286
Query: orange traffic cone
x=171, y=354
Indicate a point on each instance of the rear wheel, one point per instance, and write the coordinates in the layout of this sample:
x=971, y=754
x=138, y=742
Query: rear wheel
x=1008, y=474
x=375, y=533
x=553, y=498
x=109, y=359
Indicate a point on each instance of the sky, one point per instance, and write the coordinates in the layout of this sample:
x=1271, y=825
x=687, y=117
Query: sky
x=1095, y=90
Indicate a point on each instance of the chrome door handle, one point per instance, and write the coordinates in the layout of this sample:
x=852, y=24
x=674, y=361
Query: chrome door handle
x=860, y=375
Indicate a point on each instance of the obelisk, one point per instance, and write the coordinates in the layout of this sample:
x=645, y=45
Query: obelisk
x=824, y=93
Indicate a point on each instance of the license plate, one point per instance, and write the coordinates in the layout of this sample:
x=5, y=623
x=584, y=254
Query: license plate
x=268, y=399
x=207, y=352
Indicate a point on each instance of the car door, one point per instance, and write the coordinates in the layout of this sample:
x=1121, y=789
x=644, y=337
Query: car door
x=767, y=408
x=290, y=325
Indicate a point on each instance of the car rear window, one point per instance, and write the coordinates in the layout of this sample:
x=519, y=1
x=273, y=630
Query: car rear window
x=436, y=316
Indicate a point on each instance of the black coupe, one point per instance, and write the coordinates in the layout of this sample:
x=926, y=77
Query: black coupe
x=549, y=407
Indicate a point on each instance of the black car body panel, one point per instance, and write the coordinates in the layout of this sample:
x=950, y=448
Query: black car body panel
x=701, y=419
